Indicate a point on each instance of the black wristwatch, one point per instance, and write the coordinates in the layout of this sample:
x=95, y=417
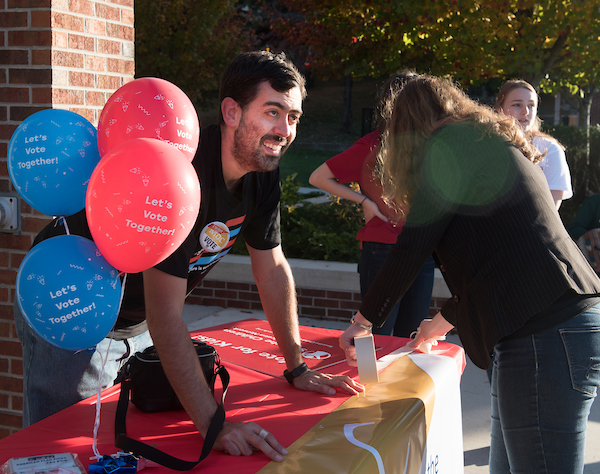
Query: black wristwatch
x=297, y=372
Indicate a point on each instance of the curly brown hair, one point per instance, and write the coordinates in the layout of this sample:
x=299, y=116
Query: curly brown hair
x=422, y=106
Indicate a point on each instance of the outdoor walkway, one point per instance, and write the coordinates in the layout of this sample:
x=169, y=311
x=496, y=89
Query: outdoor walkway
x=474, y=391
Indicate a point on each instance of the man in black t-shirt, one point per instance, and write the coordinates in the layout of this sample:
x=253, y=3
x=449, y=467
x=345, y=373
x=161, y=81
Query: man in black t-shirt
x=238, y=167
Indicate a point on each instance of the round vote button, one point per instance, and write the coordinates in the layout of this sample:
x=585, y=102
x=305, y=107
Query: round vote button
x=214, y=236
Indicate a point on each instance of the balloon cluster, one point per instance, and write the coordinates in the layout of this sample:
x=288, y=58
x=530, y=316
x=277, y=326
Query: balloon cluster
x=141, y=195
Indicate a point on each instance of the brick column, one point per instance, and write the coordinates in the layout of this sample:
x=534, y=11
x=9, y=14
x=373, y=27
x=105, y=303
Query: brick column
x=64, y=54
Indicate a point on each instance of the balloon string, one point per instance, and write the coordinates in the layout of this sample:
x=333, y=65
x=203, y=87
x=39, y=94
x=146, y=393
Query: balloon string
x=64, y=222
x=99, y=399
x=99, y=392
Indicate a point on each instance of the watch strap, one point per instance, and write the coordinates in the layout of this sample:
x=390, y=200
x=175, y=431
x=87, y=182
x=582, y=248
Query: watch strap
x=297, y=372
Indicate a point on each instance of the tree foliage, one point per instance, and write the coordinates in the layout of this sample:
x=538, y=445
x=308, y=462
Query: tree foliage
x=189, y=42
x=468, y=39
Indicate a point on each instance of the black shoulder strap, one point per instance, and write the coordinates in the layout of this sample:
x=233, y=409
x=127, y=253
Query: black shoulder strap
x=141, y=449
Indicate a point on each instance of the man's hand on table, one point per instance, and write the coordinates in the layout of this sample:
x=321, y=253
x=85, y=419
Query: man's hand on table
x=326, y=383
x=241, y=439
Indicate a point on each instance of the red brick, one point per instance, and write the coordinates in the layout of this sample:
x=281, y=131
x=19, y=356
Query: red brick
x=127, y=16
x=232, y=285
x=16, y=366
x=41, y=18
x=41, y=57
x=68, y=96
x=114, y=30
x=95, y=63
x=4, y=401
x=24, y=4
x=4, y=295
x=14, y=57
x=3, y=118
x=8, y=277
x=85, y=7
x=67, y=59
x=109, y=47
x=311, y=292
x=41, y=95
x=4, y=365
x=11, y=384
x=227, y=294
x=68, y=22
x=13, y=19
x=325, y=303
x=30, y=76
x=7, y=419
x=256, y=306
x=108, y=82
x=60, y=39
x=6, y=131
x=353, y=305
x=85, y=43
x=95, y=27
x=305, y=301
x=125, y=3
x=339, y=295
x=81, y=79
x=120, y=65
x=213, y=284
x=107, y=12
x=16, y=403
x=14, y=241
x=14, y=94
x=95, y=98
x=4, y=259
x=312, y=311
x=247, y=296
x=86, y=113
x=29, y=37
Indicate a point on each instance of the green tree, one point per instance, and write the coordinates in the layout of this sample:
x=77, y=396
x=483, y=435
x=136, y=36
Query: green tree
x=189, y=42
x=470, y=40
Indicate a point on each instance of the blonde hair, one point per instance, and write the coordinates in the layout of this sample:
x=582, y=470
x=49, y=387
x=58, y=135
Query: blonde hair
x=422, y=106
x=510, y=86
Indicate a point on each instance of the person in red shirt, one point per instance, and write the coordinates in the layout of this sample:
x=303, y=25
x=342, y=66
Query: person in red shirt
x=382, y=226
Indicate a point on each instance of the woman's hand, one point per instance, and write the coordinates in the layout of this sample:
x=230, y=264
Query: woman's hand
x=347, y=339
x=430, y=331
x=371, y=210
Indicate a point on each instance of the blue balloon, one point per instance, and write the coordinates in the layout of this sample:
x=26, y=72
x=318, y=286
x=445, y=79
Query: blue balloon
x=68, y=293
x=51, y=156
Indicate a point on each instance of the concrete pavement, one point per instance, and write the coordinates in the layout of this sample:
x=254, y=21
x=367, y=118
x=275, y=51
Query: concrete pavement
x=475, y=391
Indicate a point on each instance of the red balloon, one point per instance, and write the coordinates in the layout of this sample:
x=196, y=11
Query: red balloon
x=141, y=203
x=149, y=107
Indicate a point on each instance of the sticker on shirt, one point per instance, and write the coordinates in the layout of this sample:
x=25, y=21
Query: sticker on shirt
x=214, y=237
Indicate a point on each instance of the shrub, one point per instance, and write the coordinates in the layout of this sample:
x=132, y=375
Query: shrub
x=315, y=231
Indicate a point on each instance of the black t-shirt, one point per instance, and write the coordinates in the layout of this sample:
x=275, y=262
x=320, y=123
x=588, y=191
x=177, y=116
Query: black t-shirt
x=252, y=210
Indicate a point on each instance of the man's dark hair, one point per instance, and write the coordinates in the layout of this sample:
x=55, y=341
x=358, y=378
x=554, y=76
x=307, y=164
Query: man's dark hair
x=244, y=74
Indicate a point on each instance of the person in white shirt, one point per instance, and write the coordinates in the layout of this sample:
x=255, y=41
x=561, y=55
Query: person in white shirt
x=519, y=99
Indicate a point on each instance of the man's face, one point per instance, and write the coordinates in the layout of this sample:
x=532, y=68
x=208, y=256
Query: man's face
x=267, y=128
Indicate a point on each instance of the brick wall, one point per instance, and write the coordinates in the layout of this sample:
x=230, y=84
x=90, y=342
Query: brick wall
x=66, y=54
x=324, y=304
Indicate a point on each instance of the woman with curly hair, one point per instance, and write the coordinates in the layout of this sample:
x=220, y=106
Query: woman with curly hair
x=521, y=288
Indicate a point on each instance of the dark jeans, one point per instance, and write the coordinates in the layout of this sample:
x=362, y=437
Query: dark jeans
x=414, y=306
x=543, y=387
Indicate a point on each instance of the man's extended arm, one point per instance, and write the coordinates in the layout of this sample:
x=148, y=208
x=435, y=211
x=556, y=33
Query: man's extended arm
x=165, y=297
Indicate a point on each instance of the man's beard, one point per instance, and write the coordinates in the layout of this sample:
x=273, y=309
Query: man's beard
x=248, y=155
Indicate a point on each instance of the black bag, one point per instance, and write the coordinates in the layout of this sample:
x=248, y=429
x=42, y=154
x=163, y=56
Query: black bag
x=151, y=392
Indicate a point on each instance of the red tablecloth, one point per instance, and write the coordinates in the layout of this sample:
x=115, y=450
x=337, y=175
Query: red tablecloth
x=257, y=393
